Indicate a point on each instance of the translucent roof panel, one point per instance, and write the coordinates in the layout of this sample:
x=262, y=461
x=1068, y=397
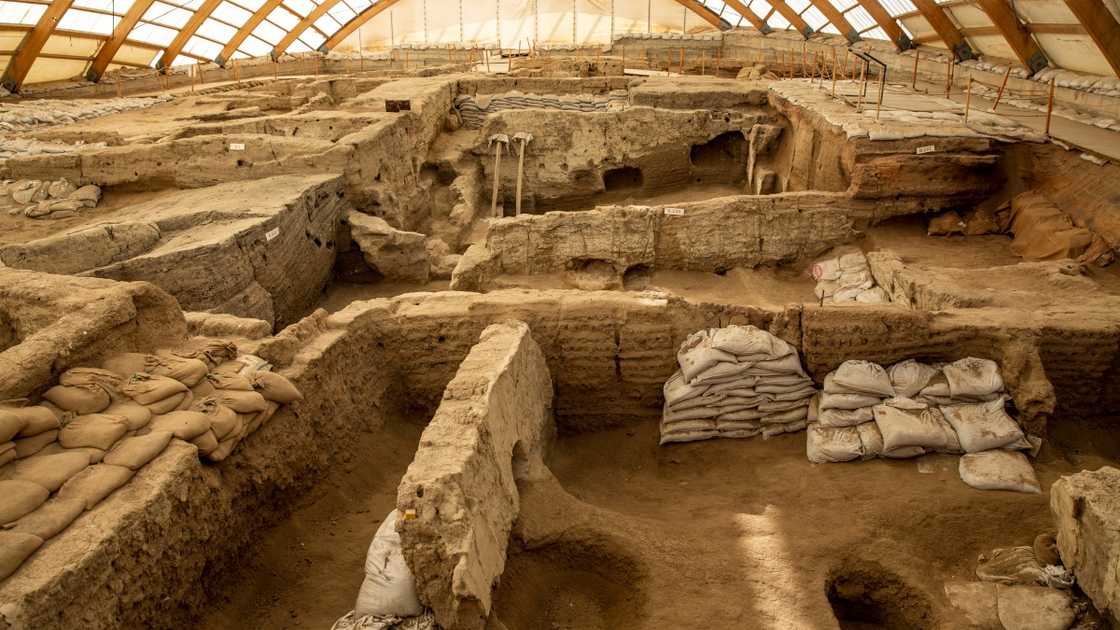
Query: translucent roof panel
x=20, y=12
x=216, y=31
x=269, y=33
x=153, y=34
x=202, y=48
x=860, y=19
x=898, y=7
x=844, y=5
x=87, y=22
x=876, y=33
x=312, y=39
x=814, y=18
x=255, y=47
x=231, y=13
x=167, y=15
x=283, y=18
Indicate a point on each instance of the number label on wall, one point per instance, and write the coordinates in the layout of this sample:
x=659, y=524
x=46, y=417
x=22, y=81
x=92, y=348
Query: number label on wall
x=237, y=146
x=929, y=148
x=271, y=234
x=674, y=212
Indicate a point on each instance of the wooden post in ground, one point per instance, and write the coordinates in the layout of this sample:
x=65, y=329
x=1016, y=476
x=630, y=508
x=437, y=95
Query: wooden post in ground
x=948, y=77
x=1050, y=107
x=862, y=86
x=834, y=70
x=914, y=79
x=275, y=70
x=968, y=99
x=882, y=91
x=1001, y=88
x=703, y=54
x=719, y=58
x=682, y=60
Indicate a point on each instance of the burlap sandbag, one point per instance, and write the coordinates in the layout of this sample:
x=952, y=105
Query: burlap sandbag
x=136, y=415
x=223, y=420
x=241, y=401
x=207, y=443
x=96, y=430
x=148, y=389
x=14, y=549
x=79, y=399
x=50, y=518
x=125, y=364
x=94, y=484
x=204, y=389
x=105, y=379
x=276, y=388
x=225, y=448
x=185, y=425
x=134, y=452
x=20, y=497
x=187, y=371
x=10, y=425
x=1043, y=232
x=229, y=381
x=36, y=420
x=182, y=400
x=50, y=471
x=7, y=453
x=213, y=352
x=26, y=447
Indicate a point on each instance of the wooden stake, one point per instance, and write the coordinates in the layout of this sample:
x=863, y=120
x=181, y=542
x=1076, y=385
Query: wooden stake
x=682, y=60
x=862, y=86
x=703, y=54
x=276, y=70
x=948, y=76
x=1050, y=107
x=1001, y=88
x=719, y=58
x=882, y=89
x=914, y=79
x=834, y=72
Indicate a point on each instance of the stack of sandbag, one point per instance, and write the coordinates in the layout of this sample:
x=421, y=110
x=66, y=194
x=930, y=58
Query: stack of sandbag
x=26, y=430
x=913, y=408
x=846, y=279
x=387, y=597
x=735, y=382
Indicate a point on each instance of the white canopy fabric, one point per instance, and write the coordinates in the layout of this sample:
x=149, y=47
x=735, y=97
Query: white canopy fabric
x=44, y=40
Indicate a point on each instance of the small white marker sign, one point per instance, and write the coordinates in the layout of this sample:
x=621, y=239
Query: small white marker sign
x=674, y=212
x=929, y=148
x=271, y=234
x=236, y=146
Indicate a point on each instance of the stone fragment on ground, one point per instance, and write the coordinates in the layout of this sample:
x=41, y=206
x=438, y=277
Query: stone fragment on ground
x=395, y=254
x=1034, y=608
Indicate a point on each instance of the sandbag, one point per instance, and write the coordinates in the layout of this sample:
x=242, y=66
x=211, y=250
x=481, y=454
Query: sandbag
x=241, y=401
x=16, y=547
x=26, y=447
x=906, y=423
x=177, y=402
x=1043, y=232
x=999, y=470
x=845, y=417
x=137, y=416
x=275, y=387
x=79, y=399
x=50, y=471
x=35, y=420
x=95, y=430
x=870, y=440
x=828, y=445
x=845, y=401
x=789, y=364
x=264, y=416
x=50, y=518
x=148, y=389
x=1010, y=565
x=93, y=377
x=229, y=381
x=185, y=425
x=698, y=403
x=213, y=352
x=95, y=483
x=134, y=452
x=772, y=430
x=7, y=453
x=748, y=343
x=973, y=378
x=188, y=371
x=697, y=355
x=225, y=448
x=983, y=426
x=909, y=377
x=860, y=377
x=206, y=443
x=20, y=498
x=11, y=425
x=742, y=382
x=204, y=389
x=792, y=416
x=388, y=588
x=223, y=420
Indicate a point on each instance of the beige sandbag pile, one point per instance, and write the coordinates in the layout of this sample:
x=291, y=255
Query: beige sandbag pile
x=1043, y=232
x=98, y=426
x=735, y=382
x=913, y=408
x=846, y=278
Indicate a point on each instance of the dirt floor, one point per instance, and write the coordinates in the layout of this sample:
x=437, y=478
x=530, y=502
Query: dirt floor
x=748, y=533
x=307, y=571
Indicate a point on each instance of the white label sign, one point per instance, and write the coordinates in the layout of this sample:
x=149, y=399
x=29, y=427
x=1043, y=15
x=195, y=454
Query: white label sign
x=236, y=146
x=674, y=212
x=929, y=148
x=271, y=234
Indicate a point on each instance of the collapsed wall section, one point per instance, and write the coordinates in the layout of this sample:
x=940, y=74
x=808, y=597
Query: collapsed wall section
x=459, y=497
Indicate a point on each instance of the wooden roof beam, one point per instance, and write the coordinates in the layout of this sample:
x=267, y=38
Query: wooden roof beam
x=189, y=29
x=745, y=11
x=250, y=25
x=887, y=23
x=945, y=29
x=706, y=14
x=1101, y=26
x=32, y=44
x=837, y=19
x=316, y=13
x=1016, y=35
x=792, y=17
x=109, y=49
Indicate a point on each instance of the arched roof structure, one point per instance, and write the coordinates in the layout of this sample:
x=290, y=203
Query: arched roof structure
x=43, y=40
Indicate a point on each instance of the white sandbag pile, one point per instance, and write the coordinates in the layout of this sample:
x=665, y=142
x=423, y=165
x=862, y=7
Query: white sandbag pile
x=913, y=408
x=98, y=426
x=387, y=598
x=735, y=382
x=847, y=279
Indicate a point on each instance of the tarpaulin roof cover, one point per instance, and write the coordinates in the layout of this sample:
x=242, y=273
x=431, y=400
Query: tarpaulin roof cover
x=44, y=40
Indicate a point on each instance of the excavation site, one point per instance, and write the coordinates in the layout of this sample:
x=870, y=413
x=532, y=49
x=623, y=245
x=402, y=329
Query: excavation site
x=554, y=315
